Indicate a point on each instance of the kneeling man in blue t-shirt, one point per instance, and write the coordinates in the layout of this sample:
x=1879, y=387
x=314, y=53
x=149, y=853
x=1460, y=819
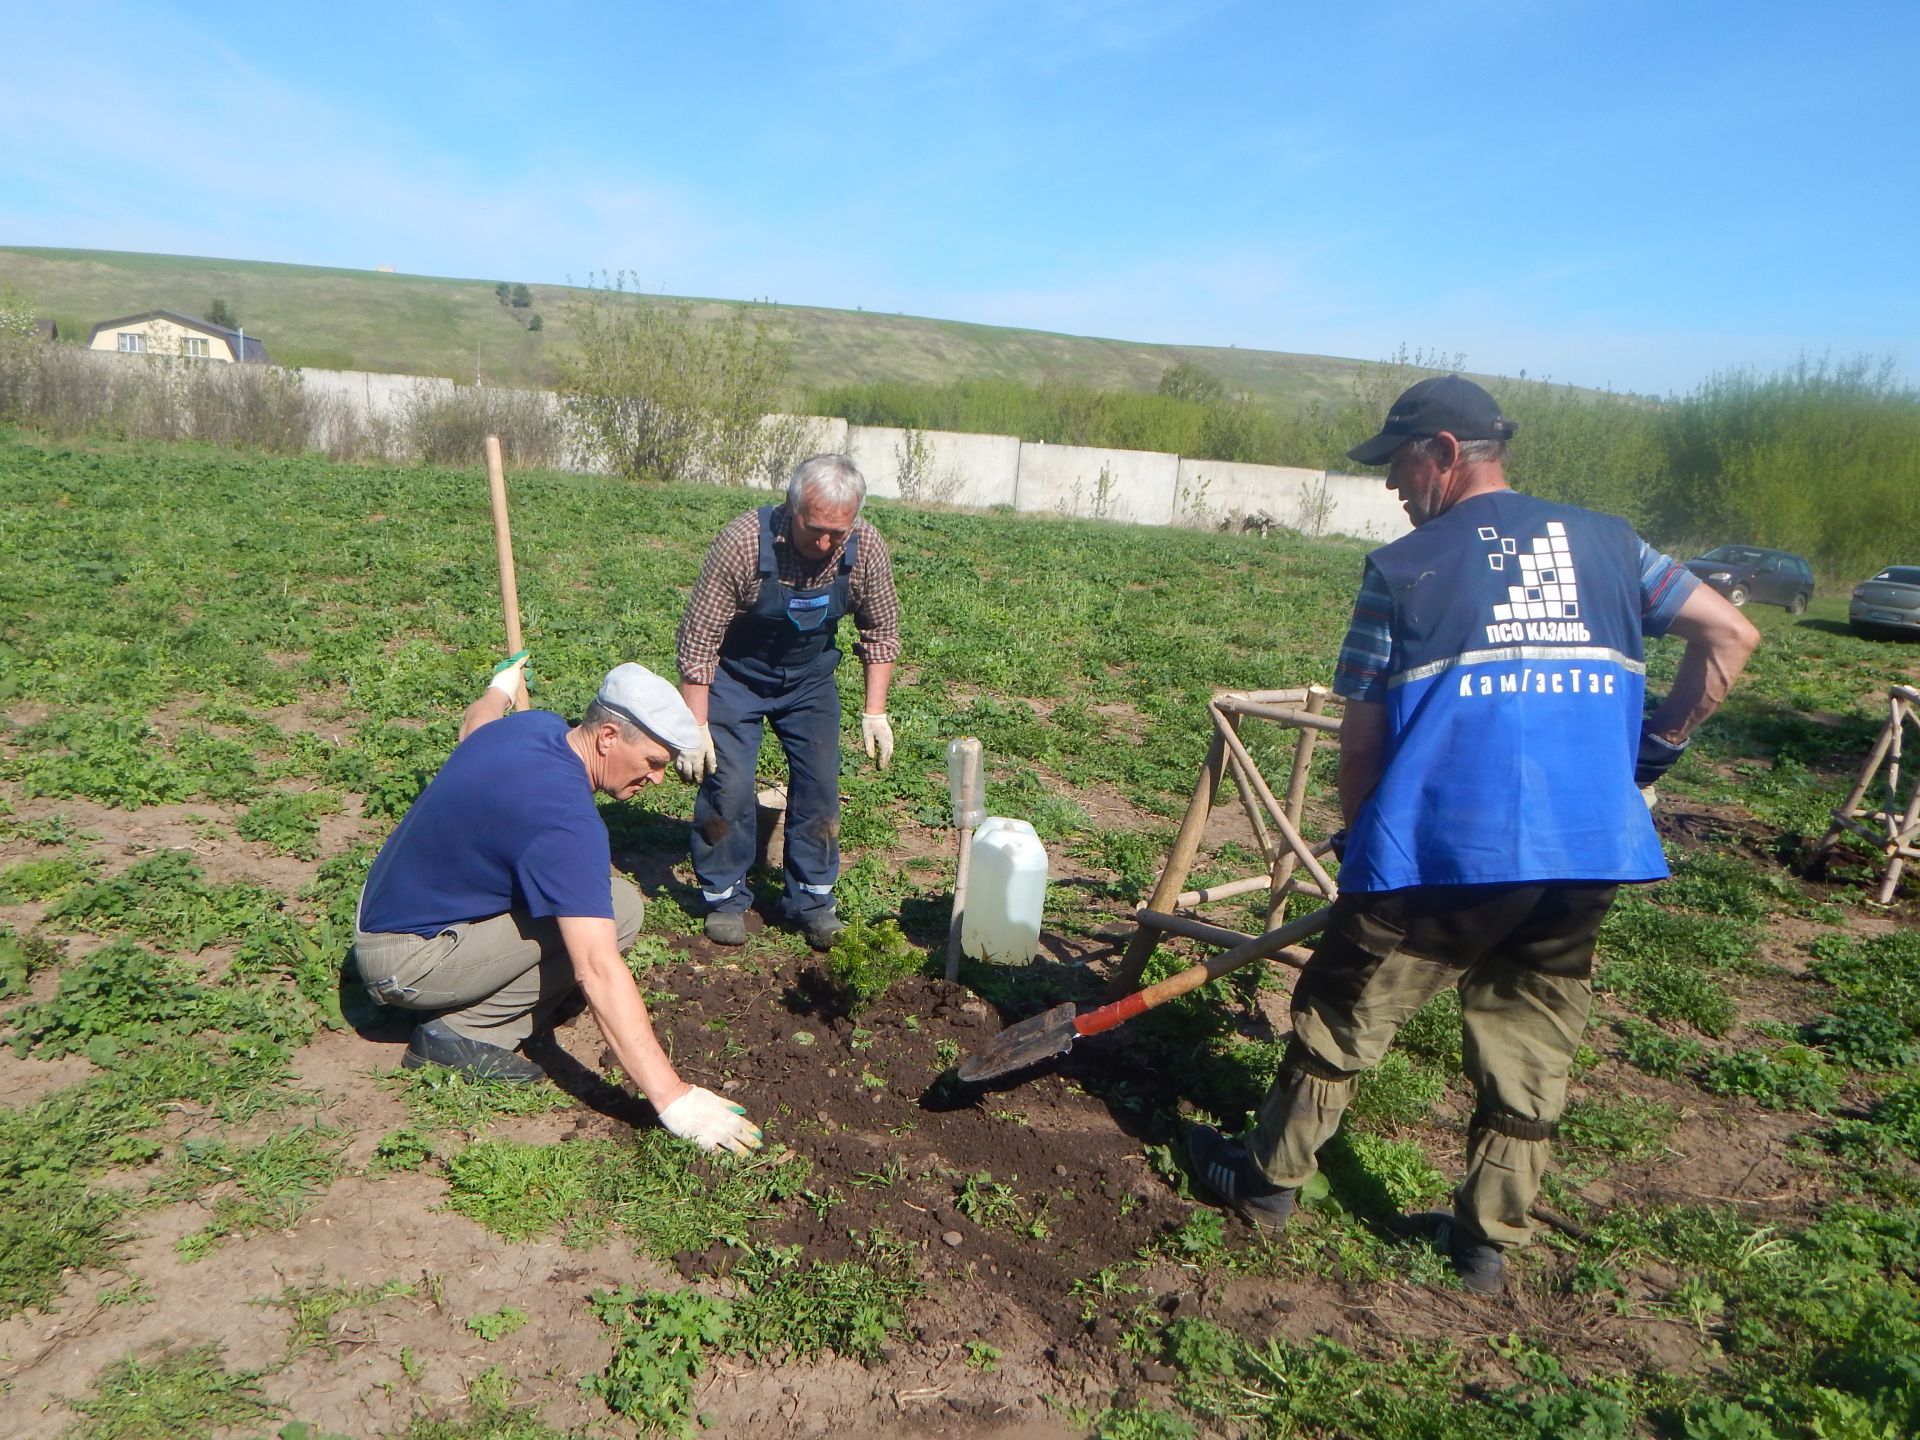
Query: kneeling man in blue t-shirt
x=495, y=896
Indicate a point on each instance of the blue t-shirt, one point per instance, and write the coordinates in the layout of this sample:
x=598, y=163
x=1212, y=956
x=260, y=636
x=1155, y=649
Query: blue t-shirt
x=509, y=823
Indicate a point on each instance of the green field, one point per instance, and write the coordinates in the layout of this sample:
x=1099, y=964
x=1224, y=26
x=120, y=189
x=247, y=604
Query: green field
x=424, y=325
x=224, y=1211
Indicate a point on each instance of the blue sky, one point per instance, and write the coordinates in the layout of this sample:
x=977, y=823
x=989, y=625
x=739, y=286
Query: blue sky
x=1604, y=191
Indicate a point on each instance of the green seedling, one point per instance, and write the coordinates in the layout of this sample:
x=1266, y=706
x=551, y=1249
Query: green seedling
x=497, y=1324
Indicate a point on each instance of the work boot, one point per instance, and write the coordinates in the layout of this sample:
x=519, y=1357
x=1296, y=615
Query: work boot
x=726, y=927
x=822, y=928
x=1224, y=1174
x=1476, y=1260
x=433, y=1043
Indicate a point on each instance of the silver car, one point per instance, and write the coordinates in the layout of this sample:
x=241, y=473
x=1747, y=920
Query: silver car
x=1888, y=603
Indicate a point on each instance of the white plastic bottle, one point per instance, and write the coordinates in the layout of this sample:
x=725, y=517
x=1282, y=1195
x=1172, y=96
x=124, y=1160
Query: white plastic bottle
x=1006, y=893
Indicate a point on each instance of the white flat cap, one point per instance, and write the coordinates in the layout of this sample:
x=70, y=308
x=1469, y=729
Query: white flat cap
x=651, y=703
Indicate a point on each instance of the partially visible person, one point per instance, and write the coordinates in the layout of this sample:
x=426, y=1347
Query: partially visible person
x=495, y=897
x=1494, y=752
x=757, y=647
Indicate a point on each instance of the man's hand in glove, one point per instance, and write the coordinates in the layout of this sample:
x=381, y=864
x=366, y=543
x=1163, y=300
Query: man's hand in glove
x=711, y=1122
x=1656, y=757
x=696, y=762
x=876, y=734
x=510, y=674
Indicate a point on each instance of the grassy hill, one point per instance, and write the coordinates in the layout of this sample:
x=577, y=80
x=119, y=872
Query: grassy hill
x=429, y=325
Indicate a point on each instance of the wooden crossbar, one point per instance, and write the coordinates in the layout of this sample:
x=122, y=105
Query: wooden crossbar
x=1293, y=862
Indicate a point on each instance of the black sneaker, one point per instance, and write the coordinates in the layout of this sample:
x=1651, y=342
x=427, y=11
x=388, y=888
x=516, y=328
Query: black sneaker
x=434, y=1044
x=822, y=928
x=1476, y=1260
x=726, y=927
x=1224, y=1174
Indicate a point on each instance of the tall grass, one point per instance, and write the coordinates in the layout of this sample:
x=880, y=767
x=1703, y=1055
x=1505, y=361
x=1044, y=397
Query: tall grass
x=1822, y=458
x=64, y=392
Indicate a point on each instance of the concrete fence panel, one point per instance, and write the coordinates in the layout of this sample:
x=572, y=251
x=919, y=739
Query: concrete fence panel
x=1134, y=485
x=936, y=466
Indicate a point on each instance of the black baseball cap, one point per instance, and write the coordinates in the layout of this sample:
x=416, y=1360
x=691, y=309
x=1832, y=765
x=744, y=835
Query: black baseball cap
x=1445, y=402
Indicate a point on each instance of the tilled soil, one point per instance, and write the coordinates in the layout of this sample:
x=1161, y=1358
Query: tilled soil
x=867, y=1101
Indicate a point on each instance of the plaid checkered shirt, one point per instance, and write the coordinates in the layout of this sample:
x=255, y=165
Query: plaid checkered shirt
x=729, y=584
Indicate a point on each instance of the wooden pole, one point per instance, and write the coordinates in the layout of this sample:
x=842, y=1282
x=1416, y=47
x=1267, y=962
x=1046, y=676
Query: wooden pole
x=1278, y=815
x=503, y=552
x=1296, y=802
x=963, y=861
x=1173, y=875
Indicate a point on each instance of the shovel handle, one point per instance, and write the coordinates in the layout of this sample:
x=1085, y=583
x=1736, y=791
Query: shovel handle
x=1260, y=947
x=503, y=554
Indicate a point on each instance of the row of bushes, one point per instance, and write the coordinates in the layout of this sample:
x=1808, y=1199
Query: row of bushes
x=1820, y=458
x=65, y=392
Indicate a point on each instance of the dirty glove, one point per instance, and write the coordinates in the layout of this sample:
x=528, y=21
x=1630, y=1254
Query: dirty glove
x=510, y=674
x=711, y=1122
x=876, y=733
x=1656, y=757
x=697, y=761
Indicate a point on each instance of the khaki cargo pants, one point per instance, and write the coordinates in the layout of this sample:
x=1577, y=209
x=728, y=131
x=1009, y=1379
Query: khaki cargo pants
x=494, y=980
x=1522, y=959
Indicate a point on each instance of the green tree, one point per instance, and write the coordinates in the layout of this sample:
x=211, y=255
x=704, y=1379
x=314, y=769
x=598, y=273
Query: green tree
x=1191, y=382
x=522, y=297
x=221, y=313
x=659, y=395
x=503, y=292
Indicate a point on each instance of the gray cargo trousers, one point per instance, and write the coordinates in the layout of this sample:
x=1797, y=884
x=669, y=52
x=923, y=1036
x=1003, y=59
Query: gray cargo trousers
x=1521, y=957
x=494, y=980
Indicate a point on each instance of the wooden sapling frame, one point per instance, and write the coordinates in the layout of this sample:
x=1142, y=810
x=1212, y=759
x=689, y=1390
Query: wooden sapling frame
x=1275, y=825
x=1891, y=828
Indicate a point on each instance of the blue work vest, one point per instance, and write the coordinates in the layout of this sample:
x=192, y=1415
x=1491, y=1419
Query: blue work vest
x=1513, y=704
x=788, y=635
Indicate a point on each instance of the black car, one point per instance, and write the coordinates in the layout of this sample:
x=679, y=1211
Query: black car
x=1888, y=603
x=1746, y=572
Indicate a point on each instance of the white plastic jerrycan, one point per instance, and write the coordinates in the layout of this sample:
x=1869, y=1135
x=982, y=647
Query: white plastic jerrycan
x=1006, y=893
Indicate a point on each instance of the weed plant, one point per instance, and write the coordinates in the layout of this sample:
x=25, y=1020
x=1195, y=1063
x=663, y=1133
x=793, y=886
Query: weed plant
x=782, y=1305
x=182, y=1394
x=656, y=1190
x=312, y=1310
x=23, y=956
x=440, y=1098
x=274, y=1183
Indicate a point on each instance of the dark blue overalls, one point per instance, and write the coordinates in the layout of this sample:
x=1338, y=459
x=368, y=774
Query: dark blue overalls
x=776, y=664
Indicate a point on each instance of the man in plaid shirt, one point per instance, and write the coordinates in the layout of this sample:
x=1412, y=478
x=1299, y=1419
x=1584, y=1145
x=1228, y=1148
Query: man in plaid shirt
x=757, y=644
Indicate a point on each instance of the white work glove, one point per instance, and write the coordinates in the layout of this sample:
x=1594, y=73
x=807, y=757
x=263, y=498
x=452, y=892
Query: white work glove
x=510, y=674
x=876, y=733
x=696, y=762
x=711, y=1123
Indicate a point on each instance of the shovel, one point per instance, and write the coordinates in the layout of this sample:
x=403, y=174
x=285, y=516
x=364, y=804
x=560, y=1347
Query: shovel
x=1052, y=1033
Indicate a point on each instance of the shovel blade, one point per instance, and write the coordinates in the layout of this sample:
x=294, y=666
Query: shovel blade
x=1018, y=1046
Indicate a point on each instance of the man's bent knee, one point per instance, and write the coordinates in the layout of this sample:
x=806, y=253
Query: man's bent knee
x=629, y=911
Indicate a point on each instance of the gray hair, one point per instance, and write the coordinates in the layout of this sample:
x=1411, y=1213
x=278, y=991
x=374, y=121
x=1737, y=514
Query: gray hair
x=832, y=480
x=600, y=713
x=1474, y=452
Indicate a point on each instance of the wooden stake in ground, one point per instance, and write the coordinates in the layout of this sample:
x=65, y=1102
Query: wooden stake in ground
x=503, y=552
x=964, y=780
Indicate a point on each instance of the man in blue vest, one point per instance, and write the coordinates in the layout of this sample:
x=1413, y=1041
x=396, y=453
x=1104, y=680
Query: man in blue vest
x=757, y=647
x=494, y=898
x=1495, y=777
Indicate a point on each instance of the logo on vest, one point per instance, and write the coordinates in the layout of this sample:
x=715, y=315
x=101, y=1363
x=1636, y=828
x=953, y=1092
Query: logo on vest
x=1545, y=604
